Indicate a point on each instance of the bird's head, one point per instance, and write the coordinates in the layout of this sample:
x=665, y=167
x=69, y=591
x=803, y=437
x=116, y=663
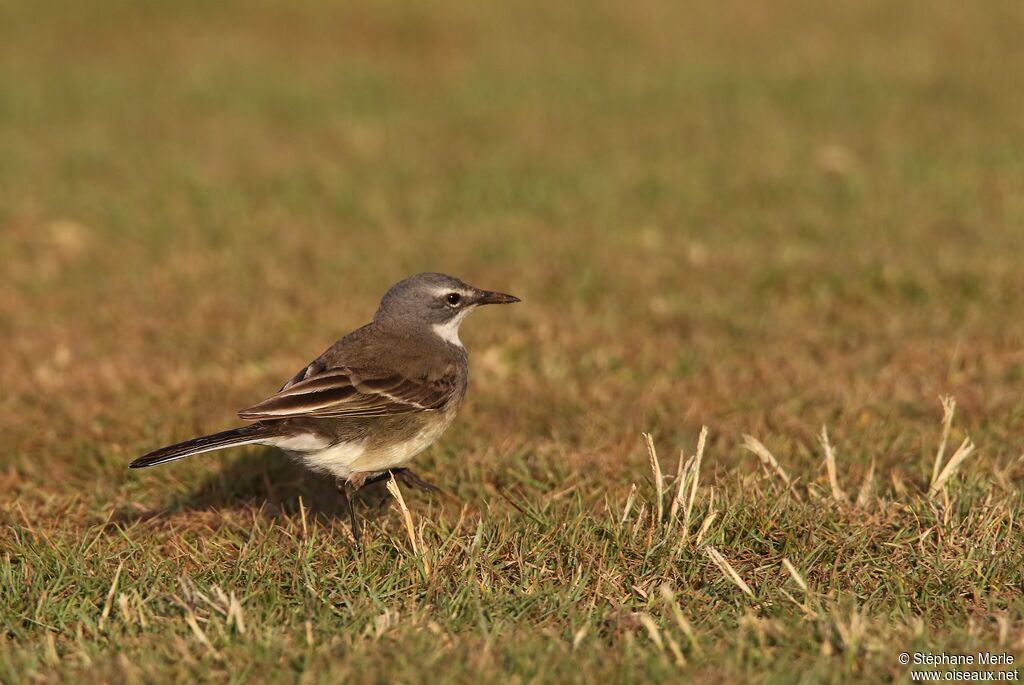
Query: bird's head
x=434, y=302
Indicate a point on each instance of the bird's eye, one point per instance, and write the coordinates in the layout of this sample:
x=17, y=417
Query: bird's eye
x=453, y=299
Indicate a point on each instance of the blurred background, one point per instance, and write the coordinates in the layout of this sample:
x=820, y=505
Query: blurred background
x=760, y=217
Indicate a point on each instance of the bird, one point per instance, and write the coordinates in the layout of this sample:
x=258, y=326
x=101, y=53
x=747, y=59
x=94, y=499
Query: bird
x=380, y=395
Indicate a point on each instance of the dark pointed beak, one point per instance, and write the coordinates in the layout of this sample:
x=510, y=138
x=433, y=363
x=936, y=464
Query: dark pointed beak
x=491, y=297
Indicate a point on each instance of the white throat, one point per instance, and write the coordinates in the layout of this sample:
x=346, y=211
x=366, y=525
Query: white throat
x=449, y=330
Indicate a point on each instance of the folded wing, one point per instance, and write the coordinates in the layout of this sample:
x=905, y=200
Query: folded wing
x=347, y=392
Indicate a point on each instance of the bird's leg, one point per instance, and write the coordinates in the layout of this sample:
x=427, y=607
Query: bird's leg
x=348, y=490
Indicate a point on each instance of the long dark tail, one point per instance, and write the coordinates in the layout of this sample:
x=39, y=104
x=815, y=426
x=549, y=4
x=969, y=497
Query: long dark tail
x=246, y=435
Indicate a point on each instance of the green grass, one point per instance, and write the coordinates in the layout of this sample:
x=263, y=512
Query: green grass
x=763, y=219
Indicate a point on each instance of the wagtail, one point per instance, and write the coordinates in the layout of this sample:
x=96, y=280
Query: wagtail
x=374, y=399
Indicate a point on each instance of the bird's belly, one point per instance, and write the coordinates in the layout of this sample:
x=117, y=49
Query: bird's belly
x=318, y=454
x=382, y=455
x=377, y=451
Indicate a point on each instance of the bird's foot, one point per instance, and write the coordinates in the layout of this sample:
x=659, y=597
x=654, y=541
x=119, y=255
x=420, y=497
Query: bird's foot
x=413, y=480
x=407, y=476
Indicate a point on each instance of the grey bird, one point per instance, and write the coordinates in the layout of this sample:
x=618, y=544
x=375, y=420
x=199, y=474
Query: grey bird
x=374, y=399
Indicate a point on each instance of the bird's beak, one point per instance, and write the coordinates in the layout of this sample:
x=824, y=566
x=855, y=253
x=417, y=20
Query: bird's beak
x=491, y=297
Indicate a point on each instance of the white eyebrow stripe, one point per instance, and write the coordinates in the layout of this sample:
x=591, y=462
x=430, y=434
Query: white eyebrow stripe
x=440, y=292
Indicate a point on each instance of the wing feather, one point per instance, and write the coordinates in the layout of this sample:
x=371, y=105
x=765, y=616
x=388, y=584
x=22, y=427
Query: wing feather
x=346, y=392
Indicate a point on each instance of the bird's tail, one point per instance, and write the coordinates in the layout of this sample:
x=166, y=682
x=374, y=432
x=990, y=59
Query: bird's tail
x=246, y=435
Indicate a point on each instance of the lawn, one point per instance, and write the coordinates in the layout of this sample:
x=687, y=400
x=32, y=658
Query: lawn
x=764, y=219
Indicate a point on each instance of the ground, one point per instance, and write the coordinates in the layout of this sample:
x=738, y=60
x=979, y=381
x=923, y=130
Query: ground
x=759, y=218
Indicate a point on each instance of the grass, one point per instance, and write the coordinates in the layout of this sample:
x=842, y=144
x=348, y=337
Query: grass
x=763, y=220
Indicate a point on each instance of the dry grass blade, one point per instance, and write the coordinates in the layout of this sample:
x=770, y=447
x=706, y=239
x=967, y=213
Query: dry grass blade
x=629, y=503
x=682, y=476
x=50, y=654
x=795, y=574
x=190, y=596
x=677, y=653
x=705, y=526
x=728, y=570
x=948, y=410
x=140, y=609
x=709, y=518
x=688, y=486
x=639, y=520
x=952, y=466
x=193, y=624
x=235, y=613
x=677, y=615
x=410, y=529
x=578, y=637
x=124, y=609
x=109, y=602
x=302, y=517
x=830, y=465
x=659, y=481
x=867, y=486
x=752, y=444
x=652, y=629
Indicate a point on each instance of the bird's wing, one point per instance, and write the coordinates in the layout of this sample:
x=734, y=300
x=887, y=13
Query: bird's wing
x=348, y=392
